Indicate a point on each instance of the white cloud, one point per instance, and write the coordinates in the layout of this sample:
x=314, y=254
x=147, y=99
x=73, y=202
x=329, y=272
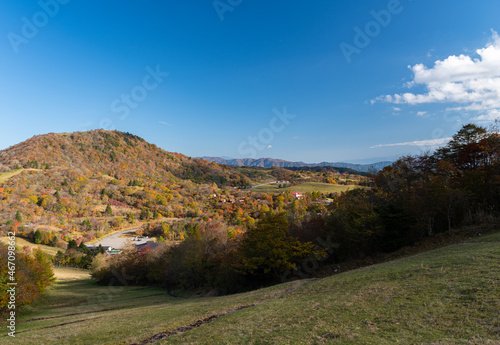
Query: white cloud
x=491, y=116
x=164, y=123
x=269, y=147
x=396, y=109
x=472, y=83
x=428, y=143
x=421, y=113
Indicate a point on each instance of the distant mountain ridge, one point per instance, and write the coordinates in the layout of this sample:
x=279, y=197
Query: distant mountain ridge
x=271, y=162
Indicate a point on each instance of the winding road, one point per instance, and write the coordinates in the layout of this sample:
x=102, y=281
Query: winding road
x=118, y=240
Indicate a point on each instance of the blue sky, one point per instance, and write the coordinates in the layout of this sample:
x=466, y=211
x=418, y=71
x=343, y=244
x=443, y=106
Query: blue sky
x=355, y=81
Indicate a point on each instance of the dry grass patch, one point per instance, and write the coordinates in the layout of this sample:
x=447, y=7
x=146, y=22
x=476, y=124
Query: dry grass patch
x=7, y=175
x=21, y=242
x=68, y=274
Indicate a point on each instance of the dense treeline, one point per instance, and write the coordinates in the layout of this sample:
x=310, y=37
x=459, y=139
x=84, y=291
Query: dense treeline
x=76, y=255
x=418, y=197
x=457, y=184
x=213, y=256
x=414, y=198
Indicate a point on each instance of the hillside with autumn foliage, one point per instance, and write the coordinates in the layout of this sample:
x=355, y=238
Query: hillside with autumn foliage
x=65, y=190
x=81, y=186
x=121, y=155
x=62, y=184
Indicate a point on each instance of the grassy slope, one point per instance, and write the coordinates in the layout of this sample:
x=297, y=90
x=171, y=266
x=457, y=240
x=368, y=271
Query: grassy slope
x=305, y=187
x=21, y=242
x=445, y=296
x=7, y=175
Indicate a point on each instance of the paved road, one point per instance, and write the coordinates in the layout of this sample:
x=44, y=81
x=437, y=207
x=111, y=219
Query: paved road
x=118, y=242
x=264, y=184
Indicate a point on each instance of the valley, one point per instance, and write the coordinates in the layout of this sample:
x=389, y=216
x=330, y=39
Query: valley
x=245, y=172
x=230, y=254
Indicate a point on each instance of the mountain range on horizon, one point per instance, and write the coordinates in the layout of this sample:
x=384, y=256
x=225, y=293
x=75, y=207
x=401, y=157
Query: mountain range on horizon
x=74, y=149
x=272, y=162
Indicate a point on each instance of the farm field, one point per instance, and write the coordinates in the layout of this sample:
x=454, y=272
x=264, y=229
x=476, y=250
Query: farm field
x=306, y=187
x=445, y=296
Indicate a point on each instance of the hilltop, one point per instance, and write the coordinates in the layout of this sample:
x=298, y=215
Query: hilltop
x=119, y=154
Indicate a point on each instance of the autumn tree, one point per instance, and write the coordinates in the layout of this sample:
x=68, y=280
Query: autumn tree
x=34, y=274
x=72, y=244
x=354, y=224
x=130, y=218
x=19, y=218
x=145, y=214
x=267, y=251
x=37, y=237
x=109, y=211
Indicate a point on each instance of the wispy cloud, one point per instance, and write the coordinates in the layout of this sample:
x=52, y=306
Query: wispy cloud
x=164, y=123
x=471, y=82
x=427, y=143
x=86, y=124
x=421, y=113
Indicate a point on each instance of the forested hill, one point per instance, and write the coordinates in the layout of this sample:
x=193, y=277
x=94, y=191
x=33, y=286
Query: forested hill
x=121, y=155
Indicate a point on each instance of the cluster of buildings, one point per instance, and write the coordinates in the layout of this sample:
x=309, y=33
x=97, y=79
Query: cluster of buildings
x=141, y=247
x=228, y=198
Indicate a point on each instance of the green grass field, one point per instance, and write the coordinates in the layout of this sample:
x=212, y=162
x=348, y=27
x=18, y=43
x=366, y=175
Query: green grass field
x=305, y=187
x=445, y=296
